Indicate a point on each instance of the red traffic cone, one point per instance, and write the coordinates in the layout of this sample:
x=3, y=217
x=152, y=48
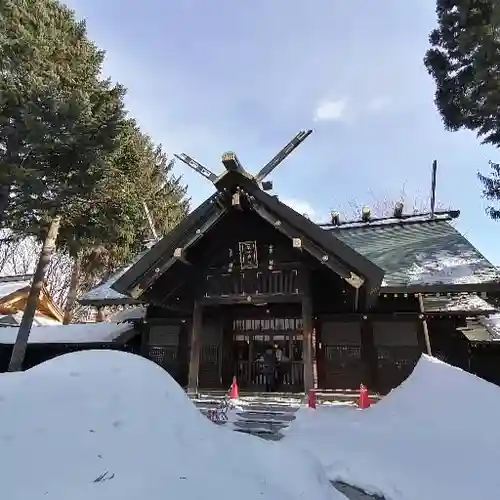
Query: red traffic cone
x=312, y=399
x=235, y=391
x=364, y=399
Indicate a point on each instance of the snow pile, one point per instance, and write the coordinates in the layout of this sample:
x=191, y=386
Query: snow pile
x=431, y=438
x=110, y=425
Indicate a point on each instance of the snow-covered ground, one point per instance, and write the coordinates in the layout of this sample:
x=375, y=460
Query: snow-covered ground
x=106, y=425
x=109, y=425
x=433, y=438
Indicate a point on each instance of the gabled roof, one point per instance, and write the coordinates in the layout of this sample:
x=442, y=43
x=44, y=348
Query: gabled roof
x=417, y=253
x=14, y=291
x=103, y=294
x=421, y=253
x=146, y=269
x=342, y=259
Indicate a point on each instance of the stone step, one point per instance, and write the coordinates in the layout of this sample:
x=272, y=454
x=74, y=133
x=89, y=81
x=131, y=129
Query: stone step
x=263, y=417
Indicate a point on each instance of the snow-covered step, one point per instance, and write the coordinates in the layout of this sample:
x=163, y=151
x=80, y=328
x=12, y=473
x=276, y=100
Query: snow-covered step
x=262, y=415
x=266, y=417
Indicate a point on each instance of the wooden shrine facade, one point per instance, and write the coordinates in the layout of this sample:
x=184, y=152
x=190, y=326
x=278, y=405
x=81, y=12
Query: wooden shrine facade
x=245, y=272
x=379, y=349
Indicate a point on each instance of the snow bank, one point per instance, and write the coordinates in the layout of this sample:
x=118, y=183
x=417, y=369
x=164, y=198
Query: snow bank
x=432, y=438
x=110, y=425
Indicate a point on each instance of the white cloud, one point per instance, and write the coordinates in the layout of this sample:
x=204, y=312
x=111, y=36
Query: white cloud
x=378, y=103
x=300, y=206
x=330, y=110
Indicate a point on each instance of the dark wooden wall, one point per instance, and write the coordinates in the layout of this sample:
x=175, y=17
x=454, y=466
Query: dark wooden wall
x=484, y=361
x=398, y=350
x=38, y=353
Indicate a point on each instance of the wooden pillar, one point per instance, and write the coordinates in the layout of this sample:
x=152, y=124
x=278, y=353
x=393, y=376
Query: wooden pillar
x=425, y=329
x=307, y=344
x=194, y=353
x=145, y=329
x=368, y=354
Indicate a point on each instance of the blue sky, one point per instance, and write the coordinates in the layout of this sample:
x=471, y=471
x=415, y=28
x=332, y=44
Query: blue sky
x=207, y=76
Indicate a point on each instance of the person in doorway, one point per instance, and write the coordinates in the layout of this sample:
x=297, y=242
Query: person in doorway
x=278, y=352
x=283, y=370
x=269, y=369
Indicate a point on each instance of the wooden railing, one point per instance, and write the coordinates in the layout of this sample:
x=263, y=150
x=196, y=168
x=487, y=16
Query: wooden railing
x=289, y=376
x=253, y=282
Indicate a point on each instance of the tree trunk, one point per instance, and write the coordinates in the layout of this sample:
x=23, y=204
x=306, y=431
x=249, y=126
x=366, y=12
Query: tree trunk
x=4, y=203
x=73, y=288
x=19, y=350
x=101, y=315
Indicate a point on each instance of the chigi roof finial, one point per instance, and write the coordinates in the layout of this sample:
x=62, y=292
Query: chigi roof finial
x=232, y=163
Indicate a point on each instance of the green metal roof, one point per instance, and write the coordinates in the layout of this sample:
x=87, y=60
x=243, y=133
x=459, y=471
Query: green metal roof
x=419, y=251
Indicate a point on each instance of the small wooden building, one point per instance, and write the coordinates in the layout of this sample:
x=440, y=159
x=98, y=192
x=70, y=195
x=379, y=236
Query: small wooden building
x=345, y=302
x=14, y=291
x=47, y=342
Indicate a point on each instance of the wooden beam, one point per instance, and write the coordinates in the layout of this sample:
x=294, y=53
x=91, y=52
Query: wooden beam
x=255, y=299
x=180, y=254
x=329, y=261
x=346, y=316
x=307, y=347
x=195, y=349
x=147, y=280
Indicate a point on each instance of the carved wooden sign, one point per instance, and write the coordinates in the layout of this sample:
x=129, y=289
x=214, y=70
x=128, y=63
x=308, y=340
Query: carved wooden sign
x=248, y=254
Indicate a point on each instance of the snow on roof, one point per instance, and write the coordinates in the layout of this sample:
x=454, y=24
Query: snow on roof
x=492, y=324
x=444, y=267
x=11, y=284
x=39, y=320
x=79, y=333
x=128, y=314
x=424, y=252
x=104, y=292
x=389, y=221
x=463, y=302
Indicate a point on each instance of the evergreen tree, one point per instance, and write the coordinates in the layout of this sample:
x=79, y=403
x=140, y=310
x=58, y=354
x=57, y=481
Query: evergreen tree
x=59, y=122
x=58, y=119
x=109, y=232
x=464, y=60
x=491, y=189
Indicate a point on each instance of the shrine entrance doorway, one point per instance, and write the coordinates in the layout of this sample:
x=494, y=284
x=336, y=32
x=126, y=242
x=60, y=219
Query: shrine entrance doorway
x=251, y=339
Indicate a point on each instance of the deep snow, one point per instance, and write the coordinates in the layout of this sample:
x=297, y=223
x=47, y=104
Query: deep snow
x=110, y=425
x=435, y=437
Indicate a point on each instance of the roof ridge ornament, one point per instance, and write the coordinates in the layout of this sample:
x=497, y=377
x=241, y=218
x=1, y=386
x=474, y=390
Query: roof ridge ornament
x=232, y=163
